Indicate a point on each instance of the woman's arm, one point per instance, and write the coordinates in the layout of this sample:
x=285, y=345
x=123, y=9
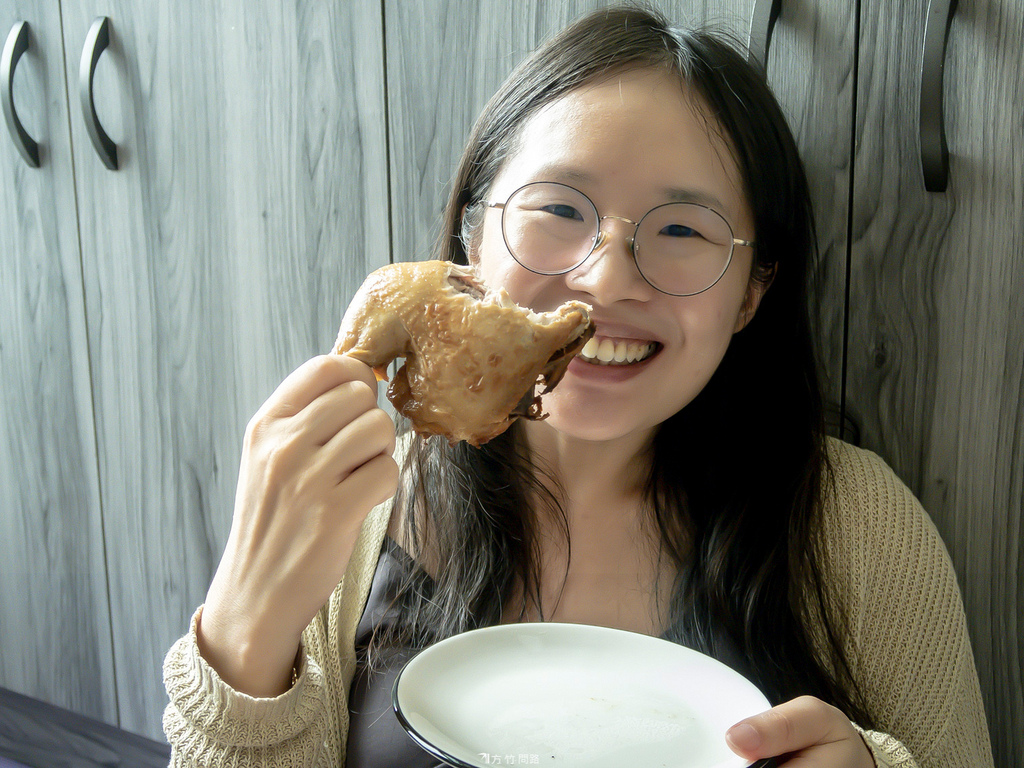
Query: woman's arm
x=209, y=723
x=907, y=642
x=316, y=459
x=905, y=638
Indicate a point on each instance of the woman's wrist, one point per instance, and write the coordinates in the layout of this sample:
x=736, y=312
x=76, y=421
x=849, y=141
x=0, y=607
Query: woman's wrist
x=254, y=662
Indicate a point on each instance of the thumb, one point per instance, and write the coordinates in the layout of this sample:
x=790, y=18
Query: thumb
x=789, y=727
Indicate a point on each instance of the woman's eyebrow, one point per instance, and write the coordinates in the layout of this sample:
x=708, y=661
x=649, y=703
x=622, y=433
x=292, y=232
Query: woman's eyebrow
x=564, y=174
x=569, y=175
x=699, y=196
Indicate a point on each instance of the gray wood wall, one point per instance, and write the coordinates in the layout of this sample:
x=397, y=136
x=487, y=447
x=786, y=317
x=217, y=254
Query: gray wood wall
x=936, y=331
x=150, y=310
x=251, y=203
x=273, y=154
x=54, y=612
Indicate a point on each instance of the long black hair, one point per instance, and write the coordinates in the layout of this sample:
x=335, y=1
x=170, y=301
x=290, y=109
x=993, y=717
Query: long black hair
x=737, y=478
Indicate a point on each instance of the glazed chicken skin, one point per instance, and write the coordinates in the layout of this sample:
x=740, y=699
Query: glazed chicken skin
x=473, y=358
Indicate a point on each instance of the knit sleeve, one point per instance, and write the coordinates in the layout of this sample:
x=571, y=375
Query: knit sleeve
x=907, y=637
x=209, y=723
x=886, y=751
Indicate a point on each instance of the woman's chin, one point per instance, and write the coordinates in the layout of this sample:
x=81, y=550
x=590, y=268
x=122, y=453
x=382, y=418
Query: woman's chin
x=589, y=424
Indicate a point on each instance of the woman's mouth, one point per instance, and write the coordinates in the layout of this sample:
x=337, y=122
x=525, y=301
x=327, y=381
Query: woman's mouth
x=602, y=350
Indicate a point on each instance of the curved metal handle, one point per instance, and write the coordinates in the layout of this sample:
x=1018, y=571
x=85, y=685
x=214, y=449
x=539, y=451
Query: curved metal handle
x=934, y=150
x=762, y=24
x=16, y=45
x=95, y=43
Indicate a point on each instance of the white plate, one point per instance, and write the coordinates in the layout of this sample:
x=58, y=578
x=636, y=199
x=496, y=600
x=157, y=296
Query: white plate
x=572, y=695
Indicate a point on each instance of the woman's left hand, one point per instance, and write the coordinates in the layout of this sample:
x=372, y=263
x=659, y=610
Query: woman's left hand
x=806, y=732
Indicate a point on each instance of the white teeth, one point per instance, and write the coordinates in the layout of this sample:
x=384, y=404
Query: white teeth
x=609, y=352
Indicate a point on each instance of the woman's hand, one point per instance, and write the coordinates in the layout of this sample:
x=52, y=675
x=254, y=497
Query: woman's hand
x=806, y=732
x=316, y=459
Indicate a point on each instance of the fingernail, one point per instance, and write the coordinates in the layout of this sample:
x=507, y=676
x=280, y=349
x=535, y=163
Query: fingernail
x=744, y=736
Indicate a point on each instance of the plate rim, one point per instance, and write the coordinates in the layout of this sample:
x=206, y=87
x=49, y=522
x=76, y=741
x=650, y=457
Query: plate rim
x=458, y=762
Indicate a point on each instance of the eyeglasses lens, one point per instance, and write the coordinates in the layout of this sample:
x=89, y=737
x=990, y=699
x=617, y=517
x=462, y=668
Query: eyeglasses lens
x=680, y=248
x=549, y=228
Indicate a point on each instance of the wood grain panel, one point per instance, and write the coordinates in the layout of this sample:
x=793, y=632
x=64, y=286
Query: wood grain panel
x=811, y=70
x=54, y=621
x=937, y=330
x=250, y=205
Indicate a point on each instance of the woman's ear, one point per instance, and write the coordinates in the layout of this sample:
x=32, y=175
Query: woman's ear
x=469, y=231
x=757, y=287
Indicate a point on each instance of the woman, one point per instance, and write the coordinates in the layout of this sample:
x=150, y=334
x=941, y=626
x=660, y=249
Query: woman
x=681, y=486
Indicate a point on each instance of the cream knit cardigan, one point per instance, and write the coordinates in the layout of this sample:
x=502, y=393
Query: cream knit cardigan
x=886, y=566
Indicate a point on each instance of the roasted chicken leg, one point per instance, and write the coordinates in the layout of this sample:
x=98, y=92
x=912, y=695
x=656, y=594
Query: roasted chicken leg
x=473, y=358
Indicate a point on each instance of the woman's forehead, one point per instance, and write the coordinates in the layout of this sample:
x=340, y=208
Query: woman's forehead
x=642, y=128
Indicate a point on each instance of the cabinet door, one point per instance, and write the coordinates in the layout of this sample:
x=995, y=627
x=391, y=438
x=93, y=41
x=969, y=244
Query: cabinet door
x=248, y=206
x=54, y=622
x=936, y=370
x=436, y=91
x=812, y=71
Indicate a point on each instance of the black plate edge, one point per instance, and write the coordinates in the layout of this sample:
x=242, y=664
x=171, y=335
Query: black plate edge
x=432, y=750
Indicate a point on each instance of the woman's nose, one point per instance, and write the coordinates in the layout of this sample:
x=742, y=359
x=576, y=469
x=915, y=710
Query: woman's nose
x=610, y=274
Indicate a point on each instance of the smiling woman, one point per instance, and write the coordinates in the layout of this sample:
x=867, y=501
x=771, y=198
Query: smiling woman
x=682, y=486
x=652, y=138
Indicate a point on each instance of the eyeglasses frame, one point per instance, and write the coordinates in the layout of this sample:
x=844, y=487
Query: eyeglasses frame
x=601, y=235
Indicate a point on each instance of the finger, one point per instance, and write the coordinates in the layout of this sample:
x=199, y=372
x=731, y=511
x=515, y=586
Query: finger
x=333, y=410
x=794, y=725
x=369, y=435
x=312, y=379
x=372, y=483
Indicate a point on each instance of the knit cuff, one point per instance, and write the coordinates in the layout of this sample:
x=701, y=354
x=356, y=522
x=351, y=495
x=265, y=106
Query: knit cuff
x=201, y=702
x=887, y=751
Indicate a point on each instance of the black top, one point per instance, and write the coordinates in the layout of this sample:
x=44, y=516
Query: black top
x=375, y=737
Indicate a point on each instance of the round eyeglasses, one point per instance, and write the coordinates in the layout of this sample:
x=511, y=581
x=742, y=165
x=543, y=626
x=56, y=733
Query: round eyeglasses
x=681, y=249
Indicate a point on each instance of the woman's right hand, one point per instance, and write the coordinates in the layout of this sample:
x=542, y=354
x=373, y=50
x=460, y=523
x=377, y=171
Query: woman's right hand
x=316, y=459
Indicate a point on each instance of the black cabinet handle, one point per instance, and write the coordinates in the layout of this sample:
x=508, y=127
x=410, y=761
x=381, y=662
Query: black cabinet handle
x=934, y=150
x=762, y=24
x=16, y=45
x=95, y=43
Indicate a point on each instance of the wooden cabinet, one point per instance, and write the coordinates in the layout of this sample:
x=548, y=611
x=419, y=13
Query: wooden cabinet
x=271, y=155
x=249, y=203
x=54, y=615
x=936, y=324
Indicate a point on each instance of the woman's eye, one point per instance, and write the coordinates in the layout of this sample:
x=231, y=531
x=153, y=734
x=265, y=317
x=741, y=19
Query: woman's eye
x=563, y=211
x=678, y=230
